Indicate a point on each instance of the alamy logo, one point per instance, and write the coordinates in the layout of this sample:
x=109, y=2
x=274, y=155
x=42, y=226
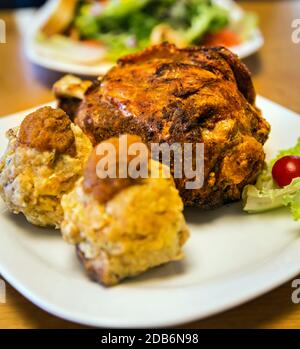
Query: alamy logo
x=2, y=292
x=2, y=32
x=127, y=160
x=296, y=32
x=296, y=292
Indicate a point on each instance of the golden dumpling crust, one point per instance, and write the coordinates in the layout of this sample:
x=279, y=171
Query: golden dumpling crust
x=43, y=161
x=123, y=228
x=141, y=227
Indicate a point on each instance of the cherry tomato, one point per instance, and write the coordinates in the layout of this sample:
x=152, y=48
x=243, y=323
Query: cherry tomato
x=286, y=169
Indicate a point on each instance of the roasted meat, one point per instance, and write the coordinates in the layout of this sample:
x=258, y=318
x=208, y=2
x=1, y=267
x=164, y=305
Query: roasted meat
x=197, y=95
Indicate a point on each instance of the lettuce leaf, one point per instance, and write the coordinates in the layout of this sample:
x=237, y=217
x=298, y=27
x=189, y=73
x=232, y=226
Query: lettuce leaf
x=266, y=195
x=246, y=25
x=120, y=23
x=207, y=18
x=260, y=200
x=291, y=151
x=122, y=8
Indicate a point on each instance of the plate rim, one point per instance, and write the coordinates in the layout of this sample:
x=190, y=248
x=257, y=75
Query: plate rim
x=82, y=319
x=192, y=316
x=247, y=48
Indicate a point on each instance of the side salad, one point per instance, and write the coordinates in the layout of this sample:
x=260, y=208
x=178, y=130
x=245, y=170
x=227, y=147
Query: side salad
x=278, y=185
x=127, y=26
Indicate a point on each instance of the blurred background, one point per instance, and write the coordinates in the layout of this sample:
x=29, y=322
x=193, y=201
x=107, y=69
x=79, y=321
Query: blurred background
x=274, y=65
x=20, y=3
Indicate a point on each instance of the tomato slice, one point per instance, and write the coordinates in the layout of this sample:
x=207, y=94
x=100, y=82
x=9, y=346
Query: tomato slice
x=223, y=37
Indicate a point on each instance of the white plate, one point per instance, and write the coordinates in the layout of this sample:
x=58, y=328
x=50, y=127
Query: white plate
x=231, y=258
x=37, y=54
x=34, y=54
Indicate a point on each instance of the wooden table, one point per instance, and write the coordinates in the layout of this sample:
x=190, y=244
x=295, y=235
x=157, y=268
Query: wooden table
x=276, y=74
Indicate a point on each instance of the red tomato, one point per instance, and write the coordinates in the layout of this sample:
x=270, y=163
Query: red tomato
x=286, y=169
x=223, y=37
x=92, y=42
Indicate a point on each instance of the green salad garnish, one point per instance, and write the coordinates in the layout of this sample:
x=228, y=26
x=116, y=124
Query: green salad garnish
x=266, y=195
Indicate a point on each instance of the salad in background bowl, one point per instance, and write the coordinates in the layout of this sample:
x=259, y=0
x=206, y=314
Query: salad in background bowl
x=88, y=36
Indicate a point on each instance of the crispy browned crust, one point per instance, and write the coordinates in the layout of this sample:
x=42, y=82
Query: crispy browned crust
x=98, y=268
x=165, y=94
x=103, y=189
x=70, y=105
x=48, y=129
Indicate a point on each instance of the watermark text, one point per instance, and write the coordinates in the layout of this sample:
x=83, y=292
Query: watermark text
x=2, y=32
x=128, y=159
x=2, y=292
x=296, y=292
x=296, y=32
